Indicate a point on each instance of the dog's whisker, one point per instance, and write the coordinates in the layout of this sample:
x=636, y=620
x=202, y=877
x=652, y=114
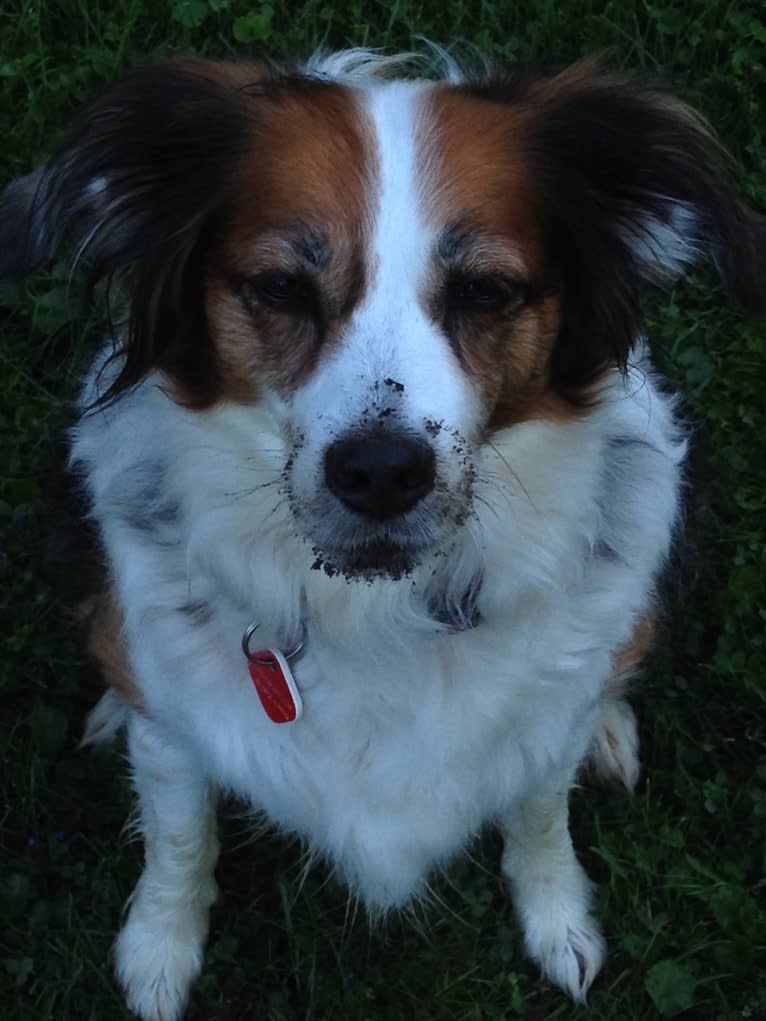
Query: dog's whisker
x=513, y=474
x=485, y=503
x=243, y=493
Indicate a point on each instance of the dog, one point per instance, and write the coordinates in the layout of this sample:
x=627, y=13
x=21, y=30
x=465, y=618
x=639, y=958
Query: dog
x=382, y=476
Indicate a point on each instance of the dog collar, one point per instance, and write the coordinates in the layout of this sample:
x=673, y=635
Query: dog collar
x=273, y=679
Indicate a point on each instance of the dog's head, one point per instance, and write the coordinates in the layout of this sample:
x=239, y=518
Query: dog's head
x=395, y=269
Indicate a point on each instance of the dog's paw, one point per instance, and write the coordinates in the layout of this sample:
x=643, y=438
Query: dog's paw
x=157, y=957
x=613, y=753
x=552, y=899
x=569, y=951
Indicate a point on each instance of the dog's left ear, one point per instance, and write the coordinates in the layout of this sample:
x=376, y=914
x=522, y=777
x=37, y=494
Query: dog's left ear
x=633, y=186
x=639, y=193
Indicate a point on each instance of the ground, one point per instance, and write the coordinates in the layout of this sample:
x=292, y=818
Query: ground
x=680, y=867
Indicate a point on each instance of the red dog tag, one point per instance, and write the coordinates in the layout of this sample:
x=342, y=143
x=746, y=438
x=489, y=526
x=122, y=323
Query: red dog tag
x=275, y=684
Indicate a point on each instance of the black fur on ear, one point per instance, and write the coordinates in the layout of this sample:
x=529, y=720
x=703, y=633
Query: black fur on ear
x=632, y=186
x=131, y=191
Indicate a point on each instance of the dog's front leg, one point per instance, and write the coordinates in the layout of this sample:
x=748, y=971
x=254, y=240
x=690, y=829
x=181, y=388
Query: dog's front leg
x=551, y=893
x=159, y=951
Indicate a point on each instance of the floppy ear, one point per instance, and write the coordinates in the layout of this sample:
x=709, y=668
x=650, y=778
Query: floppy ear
x=639, y=193
x=632, y=185
x=130, y=192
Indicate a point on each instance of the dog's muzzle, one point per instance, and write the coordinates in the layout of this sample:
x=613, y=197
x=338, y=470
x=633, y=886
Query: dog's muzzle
x=378, y=499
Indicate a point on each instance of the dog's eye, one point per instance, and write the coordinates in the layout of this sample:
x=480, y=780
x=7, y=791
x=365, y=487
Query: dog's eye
x=482, y=293
x=284, y=292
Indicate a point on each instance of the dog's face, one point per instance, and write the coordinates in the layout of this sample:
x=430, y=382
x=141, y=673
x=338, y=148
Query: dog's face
x=379, y=280
x=345, y=300
x=397, y=270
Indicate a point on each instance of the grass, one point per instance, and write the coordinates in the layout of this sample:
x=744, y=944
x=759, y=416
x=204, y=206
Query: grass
x=680, y=867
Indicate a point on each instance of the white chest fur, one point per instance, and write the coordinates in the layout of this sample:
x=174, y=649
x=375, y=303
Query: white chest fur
x=411, y=738
x=397, y=760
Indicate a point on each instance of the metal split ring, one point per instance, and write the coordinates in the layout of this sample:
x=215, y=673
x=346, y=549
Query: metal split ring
x=247, y=637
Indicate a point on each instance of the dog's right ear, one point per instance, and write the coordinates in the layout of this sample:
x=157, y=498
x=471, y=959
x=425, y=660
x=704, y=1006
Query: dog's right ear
x=139, y=167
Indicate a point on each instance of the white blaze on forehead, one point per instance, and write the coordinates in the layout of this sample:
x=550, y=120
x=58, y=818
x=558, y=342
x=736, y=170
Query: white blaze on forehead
x=401, y=238
x=392, y=333
x=392, y=354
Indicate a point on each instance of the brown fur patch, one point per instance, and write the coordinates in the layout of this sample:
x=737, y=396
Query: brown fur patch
x=481, y=179
x=627, y=660
x=107, y=647
x=298, y=207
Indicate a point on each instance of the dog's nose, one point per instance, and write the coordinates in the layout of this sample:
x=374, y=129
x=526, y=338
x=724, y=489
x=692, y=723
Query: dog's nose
x=380, y=476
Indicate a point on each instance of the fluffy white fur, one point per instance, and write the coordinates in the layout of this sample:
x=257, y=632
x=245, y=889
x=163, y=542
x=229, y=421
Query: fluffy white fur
x=414, y=734
x=413, y=737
